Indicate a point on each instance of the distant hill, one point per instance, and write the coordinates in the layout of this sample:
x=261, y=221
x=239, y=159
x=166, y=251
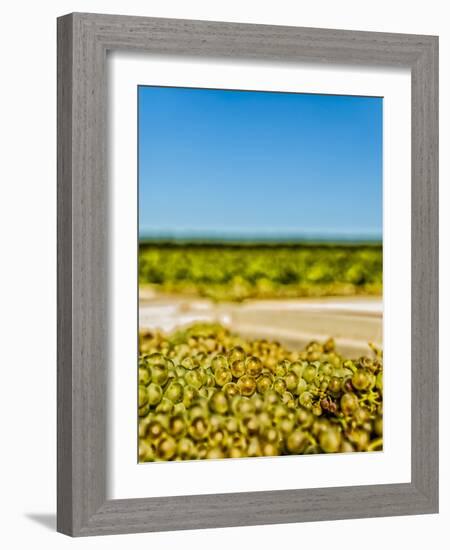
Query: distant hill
x=175, y=243
x=259, y=240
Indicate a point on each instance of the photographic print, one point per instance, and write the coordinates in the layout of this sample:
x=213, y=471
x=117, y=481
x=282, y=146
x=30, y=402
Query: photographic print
x=260, y=268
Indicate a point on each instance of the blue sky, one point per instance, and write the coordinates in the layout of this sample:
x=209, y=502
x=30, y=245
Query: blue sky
x=259, y=164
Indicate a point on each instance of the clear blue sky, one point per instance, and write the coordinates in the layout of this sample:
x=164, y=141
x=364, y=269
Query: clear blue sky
x=259, y=164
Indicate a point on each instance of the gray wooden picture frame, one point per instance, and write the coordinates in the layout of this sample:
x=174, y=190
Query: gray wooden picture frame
x=83, y=41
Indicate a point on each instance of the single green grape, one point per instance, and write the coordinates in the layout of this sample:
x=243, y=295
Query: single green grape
x=271, y=397
x=146, y=451
x=265, y=419
x=236, y=452
x=166, y=449
x=215, y=453
x=254, y=447
x=210, y=344
x=316, y=409
x=282, y=368
x=196, y=410
x=194, y=378
x=304, y=418
x=185, y=448
x=288, y=399
x=258, y=402
x=223, y=376
x=231, y=424
x=291, y=380
x=326, y=369
x=230, y=389
x=143, y=426
x=306, y=400
x=219, y=402
x=346, y=447
x=360, y=416
x=143, y=411
x=155, y=429
x=202, y=450
x=246, y=385
x=269, y=449
x=330, y=440
x=271, y=435
x=309, y=373
x=154, y=394
x=349, y=403
x=334, y=385
x=209, y=381
x=297, y=368
x=279, y=385
x=219, y=361
x=286, y=426
x=216, y=421
x=253, y=366
x=360, y=438
x=145, y=376
x=301, y=386
x=263, y=383
x=154, y=359
x=236, y=354
x=279, y=412
x=180, y=372
x=361, y=379
x=174, y=392
x=164, y=406
x=243, y=407
x=297, y=441
x=160, y=373
x=319, y=425
x=238, y=368
x=199, y=428
x=143, y=396
x=329, y=345
x=206, y=392
x=250, y=425
x=189, y=363
x=190, y=394
x=179, y=408
x=177, y=426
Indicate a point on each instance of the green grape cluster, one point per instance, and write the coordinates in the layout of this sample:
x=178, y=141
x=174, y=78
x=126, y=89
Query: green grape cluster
x=235, y=272
x=207, y=393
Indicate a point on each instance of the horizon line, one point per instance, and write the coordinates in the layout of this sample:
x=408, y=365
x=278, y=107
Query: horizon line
x=300, y=238
x=258, y=238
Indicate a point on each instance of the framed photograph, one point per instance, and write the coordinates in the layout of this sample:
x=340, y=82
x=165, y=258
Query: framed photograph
x=247, y=274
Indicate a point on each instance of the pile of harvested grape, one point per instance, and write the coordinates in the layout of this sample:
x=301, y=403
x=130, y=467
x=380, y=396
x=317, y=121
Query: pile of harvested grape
x=206, y=393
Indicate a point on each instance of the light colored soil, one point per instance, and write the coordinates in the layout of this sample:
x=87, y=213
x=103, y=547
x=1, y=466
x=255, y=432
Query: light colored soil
x=352, y=322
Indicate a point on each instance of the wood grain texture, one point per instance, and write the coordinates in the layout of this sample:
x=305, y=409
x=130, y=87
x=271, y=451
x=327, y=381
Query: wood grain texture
x=424, y=276
x=64, y=299
x=83, y=319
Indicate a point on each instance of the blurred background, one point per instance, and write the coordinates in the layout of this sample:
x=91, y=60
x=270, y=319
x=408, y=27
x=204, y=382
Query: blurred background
x=261, y=211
